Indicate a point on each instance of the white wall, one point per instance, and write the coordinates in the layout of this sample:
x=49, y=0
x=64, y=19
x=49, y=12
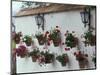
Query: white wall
x=71, y=21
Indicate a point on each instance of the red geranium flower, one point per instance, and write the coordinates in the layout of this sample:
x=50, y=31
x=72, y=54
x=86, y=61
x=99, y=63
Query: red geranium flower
x=57, y=26
x=79, y=52
x=62, y=43
x=75, y=53
x=47, y=32
x=67, y=49
x=65, y=34
x=48, y=43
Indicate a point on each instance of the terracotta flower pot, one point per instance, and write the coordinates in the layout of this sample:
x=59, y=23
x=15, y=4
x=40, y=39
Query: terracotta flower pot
x=17, y=40
x=63, y=64
x=41, y=41
x=56, y=42
x=16, y=37
x=28, y=43
x=22, y=56
x=25, y=54
x=93, y=41
x=83, y=64
x=48, y=61
x=34, y=58
x=65, y=61
x=75, y=42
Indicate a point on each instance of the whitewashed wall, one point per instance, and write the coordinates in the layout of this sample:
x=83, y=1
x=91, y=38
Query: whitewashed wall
x=71, y=21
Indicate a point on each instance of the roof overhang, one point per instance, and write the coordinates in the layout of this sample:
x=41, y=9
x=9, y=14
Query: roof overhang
x=52, y=8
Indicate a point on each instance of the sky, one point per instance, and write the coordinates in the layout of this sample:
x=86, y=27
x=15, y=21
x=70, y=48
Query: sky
x=16, y=6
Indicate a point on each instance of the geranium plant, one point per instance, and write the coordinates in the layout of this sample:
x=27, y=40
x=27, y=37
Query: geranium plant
x=28, y=40
x=49, y=57
x=17, y=37
x=90, y=39
x=34, y=54
x=82, y=59
x=41, y=60
x=71, y=41
x=21, y=51
x=55, y=35
x=63, y=59
x=41, y=38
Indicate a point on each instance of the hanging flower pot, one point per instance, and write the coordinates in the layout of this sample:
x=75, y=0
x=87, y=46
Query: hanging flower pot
x=34, y=58
x=56, y=42
x=63, y=59
x=55, y=36
x=41, y=60
x=28, y=40
x=71, y=41
x=21, y=51
x=48, y=57
x=16, y=37
x=34, y=55
x=82, y=64
x=90, y=39
x=41, y=38
x=82, y=59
